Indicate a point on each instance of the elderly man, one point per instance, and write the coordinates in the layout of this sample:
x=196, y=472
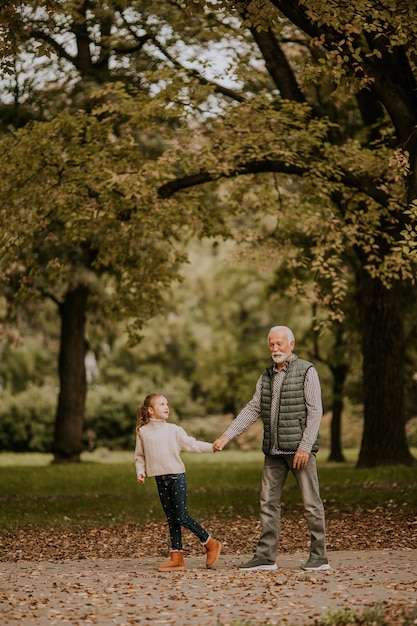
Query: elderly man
x=288, y=400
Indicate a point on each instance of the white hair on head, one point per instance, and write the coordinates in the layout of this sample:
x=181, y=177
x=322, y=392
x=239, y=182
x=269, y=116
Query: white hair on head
x=290, y=334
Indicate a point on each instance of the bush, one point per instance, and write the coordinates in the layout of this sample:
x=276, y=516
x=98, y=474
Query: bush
x=110, y=418
x=29, y=363
x=411, y=430
x=377, y=615
x=27, y=419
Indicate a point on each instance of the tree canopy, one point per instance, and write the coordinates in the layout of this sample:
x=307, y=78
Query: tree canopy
x=358, y=78
x=314, y=129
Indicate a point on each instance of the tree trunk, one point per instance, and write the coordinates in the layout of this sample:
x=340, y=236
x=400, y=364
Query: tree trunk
x=384, y=440
x=339, y=376
x=73, y=388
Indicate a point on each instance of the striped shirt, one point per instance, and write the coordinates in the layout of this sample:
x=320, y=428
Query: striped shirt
x=252, y=411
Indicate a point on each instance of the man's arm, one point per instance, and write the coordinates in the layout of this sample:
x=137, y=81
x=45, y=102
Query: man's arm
x=247, y=416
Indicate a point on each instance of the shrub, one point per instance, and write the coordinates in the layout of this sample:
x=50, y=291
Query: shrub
x=110, y=418
x=27, y=419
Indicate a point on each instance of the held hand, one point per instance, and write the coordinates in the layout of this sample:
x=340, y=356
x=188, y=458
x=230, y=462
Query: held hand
x=141, y=479
x=220, y=443
x=300, y=459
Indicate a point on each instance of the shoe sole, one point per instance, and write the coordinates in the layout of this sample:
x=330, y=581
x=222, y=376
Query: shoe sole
x=320, y=568
x=259, y=567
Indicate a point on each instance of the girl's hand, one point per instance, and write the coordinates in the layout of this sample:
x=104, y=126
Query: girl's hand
x=220, y=443
x=141, y=479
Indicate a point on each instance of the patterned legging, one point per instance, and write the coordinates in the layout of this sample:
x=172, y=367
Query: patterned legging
x=172, y=490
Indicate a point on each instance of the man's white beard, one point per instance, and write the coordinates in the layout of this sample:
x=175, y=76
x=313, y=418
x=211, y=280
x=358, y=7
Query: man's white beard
x=280, y=357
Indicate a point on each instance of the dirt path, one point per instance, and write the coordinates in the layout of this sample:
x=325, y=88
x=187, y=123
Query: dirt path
x=130, y=591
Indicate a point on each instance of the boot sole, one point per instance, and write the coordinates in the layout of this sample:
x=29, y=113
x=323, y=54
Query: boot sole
x=259, y=567
x=171, y=569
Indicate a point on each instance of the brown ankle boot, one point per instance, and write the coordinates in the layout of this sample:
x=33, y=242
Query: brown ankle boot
x=175, y=563
x=213, y=548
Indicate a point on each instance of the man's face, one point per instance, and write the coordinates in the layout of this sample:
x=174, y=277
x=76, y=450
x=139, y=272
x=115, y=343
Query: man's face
x=279, y=346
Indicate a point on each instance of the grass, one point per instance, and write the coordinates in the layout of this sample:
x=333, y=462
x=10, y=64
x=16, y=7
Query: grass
x=102, y=490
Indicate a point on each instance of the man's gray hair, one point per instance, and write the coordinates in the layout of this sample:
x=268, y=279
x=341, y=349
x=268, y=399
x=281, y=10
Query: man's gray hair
x=289, y=332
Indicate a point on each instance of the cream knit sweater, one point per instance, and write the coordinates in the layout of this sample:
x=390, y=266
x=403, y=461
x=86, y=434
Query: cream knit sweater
x=158, y=448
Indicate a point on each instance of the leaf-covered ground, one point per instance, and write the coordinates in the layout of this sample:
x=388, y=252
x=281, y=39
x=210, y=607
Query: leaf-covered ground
x=363, y=588
x=380, y=529
x=77, y=576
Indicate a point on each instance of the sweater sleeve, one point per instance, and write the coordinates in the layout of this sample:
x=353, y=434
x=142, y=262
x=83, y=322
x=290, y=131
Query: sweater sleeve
x=139, y=457
x=190, y=444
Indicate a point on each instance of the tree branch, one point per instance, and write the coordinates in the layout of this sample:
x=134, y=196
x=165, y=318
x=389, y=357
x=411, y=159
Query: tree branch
x=350, y=180
x=39, y=34
x=392, y=80
x=277, y=65
x=230, y=93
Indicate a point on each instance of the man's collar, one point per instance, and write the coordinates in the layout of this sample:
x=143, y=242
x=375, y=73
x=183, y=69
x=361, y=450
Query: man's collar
x=284, y=369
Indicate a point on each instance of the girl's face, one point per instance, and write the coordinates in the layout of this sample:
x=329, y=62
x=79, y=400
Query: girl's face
x=160, y=408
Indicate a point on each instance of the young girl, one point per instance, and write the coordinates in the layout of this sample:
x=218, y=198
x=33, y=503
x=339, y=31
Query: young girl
x=157, y=453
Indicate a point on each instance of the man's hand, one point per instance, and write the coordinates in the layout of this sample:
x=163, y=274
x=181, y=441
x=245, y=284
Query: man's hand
x=220, y=443
x=141, y=479
x=300, y=459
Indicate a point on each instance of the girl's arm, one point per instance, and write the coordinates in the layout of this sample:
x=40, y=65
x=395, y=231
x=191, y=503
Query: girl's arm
x=140, y=460
x=191, y=444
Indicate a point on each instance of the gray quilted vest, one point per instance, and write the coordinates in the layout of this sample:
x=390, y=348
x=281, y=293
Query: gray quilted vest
x=292, y=412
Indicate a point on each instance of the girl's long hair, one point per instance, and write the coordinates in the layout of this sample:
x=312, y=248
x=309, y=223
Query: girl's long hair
x=142, y=411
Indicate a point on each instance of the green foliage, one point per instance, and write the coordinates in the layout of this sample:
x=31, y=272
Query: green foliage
x=27, y=418
x=110, y=419
x=78, y=196
x=411, y=426
x=409, y=233
x=26, y=363
x=348, y=617
x=207, y=352
x=337, y=618
x=293, y=141
x=377, y=615
x=94, y=224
